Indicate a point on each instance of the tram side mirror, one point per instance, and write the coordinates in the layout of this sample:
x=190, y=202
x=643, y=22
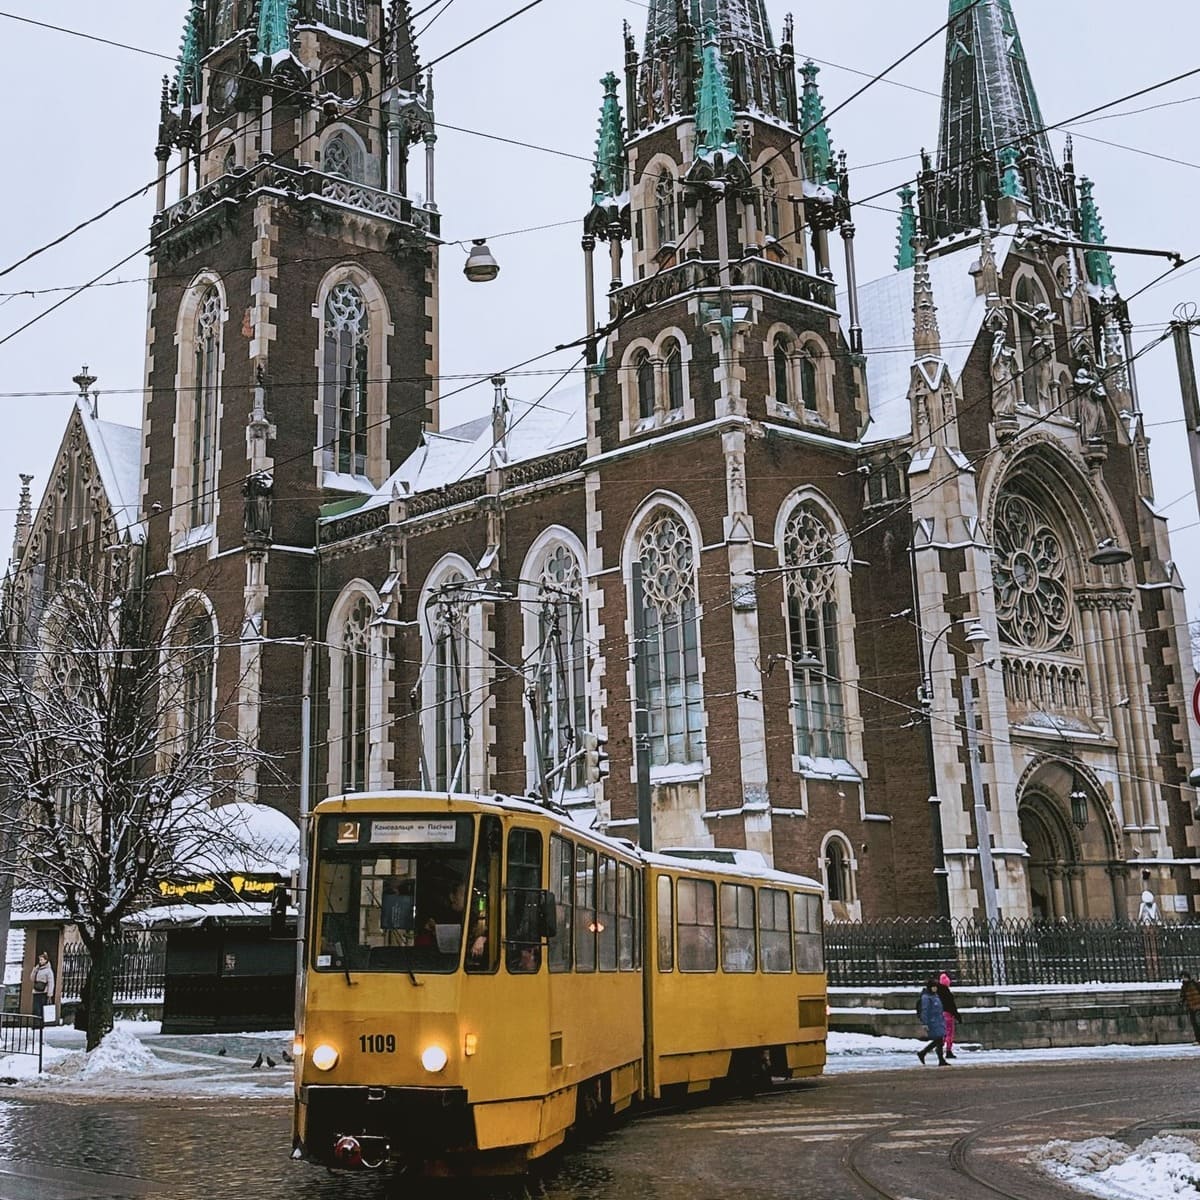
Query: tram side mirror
x=547, y=915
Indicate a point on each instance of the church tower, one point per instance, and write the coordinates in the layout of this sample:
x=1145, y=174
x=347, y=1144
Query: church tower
x=723, y=384
x=292, y=343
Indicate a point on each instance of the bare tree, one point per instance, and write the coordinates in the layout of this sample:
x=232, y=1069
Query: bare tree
x=114, y=752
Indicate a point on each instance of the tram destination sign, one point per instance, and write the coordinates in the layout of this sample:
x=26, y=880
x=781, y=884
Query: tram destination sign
x=420, y=831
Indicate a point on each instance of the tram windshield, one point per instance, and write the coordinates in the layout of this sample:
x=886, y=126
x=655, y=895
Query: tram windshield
x=392, y=893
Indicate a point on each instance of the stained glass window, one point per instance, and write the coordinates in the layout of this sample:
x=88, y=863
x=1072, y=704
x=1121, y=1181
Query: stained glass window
x=674, y=691
x=450, y=695
x=343, y=156
x=810, y=582
x=344, y=430
x=1033, y=604
x=207, y=352
x=563, y=665
x=356, y=677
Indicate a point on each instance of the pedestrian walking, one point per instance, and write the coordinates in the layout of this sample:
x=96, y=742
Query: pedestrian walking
x=42, y=979
x=1189, y=998
x=950, y=1011
x=933, y=1017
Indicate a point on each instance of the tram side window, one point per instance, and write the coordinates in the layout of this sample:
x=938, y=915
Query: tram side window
x=810, y=951
x=697, y=925
x=562, y=861
x=483, y=933
x=774, y=933
x=666, y=925
x=737, y=927
x=585, y=909
x=606, y=913
x=524, y=945
x=627, y=922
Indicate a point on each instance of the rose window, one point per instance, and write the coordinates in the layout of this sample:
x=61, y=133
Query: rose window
x=1032, y=600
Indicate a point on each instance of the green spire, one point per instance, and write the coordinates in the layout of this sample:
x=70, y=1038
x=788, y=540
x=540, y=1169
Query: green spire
x=1091, y=229
x=714, y=108
x=1010, y=180
x=609, y=178
x=275, y=21
x=818, y=148
x=187, y=76
x=908, y=230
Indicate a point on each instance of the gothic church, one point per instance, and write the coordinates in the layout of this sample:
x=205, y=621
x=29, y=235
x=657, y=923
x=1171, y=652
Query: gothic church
x=908, y=623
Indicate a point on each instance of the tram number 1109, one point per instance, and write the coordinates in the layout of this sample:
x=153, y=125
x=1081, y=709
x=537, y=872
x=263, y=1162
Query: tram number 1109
x=377, y=1043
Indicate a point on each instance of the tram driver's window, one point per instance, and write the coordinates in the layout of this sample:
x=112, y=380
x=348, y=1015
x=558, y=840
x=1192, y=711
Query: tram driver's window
x=523, y=943
x=562, y=860
x=697, y=925
x=666, y=925
x=810, y=950
x=483, y=935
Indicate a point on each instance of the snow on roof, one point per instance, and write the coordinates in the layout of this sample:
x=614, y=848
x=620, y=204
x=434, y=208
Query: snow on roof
x=885, y=307
x=534, y=428
x=240, y=836
x=117, y=450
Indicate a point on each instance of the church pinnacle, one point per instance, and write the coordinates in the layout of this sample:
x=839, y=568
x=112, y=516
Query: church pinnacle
x=714, y=107
x=275, y=21
x=608, y=180
x=818, y=146
x=1091, y=229
x=187, y=75
x=992, y=140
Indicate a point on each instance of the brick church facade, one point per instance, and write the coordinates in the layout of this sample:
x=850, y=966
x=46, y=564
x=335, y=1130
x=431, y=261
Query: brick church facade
x=877, y=562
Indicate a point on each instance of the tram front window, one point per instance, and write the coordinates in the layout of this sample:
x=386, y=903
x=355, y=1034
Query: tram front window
x=391, y=893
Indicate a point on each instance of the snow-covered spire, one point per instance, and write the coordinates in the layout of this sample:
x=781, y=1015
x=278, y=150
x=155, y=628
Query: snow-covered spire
x=24, y=520
x=927, y=338
x=743, y=21
x=276, y=19
x=608, y=180
x=990, y=110
x=714, y=106
x=1091, y=229
x=191, y=51
x=818, y=146
x=908, y=229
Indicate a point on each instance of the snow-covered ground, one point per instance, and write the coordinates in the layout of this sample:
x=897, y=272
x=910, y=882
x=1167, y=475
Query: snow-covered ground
x=1161, y=1168
x=137, y=1059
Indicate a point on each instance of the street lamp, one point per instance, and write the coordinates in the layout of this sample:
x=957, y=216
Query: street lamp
x=481, y=265
x=1109, y=554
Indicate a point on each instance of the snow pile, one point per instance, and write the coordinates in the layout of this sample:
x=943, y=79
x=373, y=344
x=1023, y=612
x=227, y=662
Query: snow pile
x=1161, y=1168
x=867, y=1043
x=120, y=1053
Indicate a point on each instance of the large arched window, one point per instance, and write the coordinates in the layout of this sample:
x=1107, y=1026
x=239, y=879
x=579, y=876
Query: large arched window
x=818, y=714
x=207, y=376
x=345, y=425
x=555, y=644
x=354, y=698
x=447, y=690
x=664, y=205
x=342, y=155
x=674, y=689
x=1033, y=597
x=188, y=680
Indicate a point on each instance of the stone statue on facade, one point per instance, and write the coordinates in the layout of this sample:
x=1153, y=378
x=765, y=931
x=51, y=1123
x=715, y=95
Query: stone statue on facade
x=257, y=494
x=1003, y=368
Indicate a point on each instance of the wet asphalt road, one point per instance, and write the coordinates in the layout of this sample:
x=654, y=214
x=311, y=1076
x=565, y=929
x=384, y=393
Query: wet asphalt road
x=957, y=1134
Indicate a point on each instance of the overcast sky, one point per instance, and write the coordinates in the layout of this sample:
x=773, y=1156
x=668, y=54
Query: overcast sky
x=78, y=133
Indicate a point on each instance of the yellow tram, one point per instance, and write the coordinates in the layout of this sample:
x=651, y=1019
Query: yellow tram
x=481, y=975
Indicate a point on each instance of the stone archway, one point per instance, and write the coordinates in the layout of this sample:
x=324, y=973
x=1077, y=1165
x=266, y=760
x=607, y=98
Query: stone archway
x=1070, y=869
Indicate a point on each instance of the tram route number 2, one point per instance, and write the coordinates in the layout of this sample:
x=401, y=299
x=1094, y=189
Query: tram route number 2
x=377, y=1043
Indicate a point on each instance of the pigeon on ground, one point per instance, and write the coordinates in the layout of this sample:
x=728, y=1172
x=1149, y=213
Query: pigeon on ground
x=222, y=1052
x=287, y=1058
x=258, y=1062
x=270, y=1061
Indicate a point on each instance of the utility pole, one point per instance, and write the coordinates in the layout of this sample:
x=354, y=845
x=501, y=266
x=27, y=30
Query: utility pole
x=305, y=807
x=1181, y=330
x=641, y=712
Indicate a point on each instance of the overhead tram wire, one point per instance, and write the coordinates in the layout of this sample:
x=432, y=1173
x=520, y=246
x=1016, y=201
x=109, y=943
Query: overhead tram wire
x=216, y=145
x=377, y=43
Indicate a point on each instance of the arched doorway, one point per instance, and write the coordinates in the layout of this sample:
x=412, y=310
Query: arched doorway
x=1070, y=869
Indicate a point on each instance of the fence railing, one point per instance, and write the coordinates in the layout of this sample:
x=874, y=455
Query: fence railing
x=21, y=1034
x=141, y=969
x=981, y=954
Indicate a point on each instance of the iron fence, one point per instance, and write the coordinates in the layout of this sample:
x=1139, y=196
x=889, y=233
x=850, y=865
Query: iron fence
x=981, y=954
x=141, y=969
x=21, y=1034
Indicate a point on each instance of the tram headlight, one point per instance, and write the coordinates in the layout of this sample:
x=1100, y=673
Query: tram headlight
x=433, y=1059
x=324, y=1057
